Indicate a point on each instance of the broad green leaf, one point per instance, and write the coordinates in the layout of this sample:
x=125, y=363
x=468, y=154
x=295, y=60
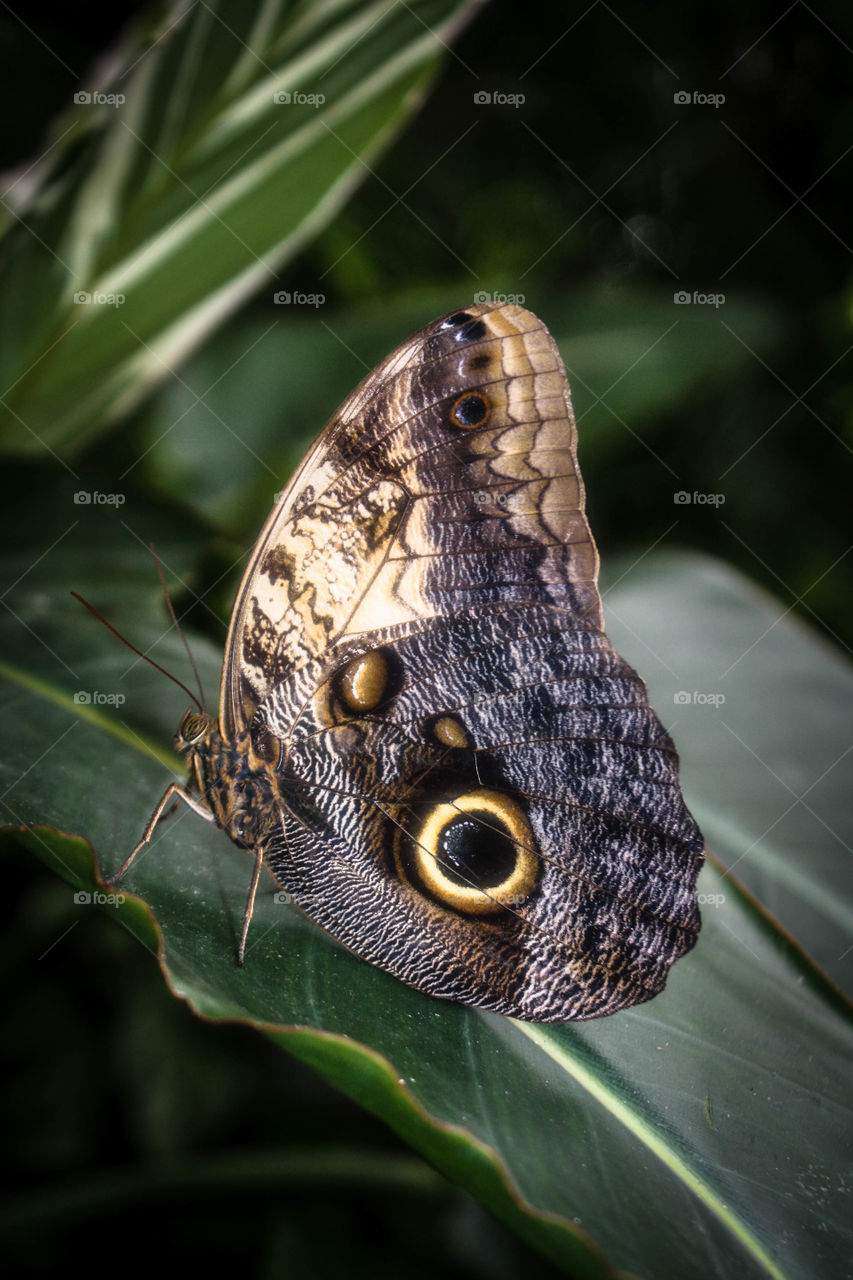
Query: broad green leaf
x=219, y=141
x=702, y=1134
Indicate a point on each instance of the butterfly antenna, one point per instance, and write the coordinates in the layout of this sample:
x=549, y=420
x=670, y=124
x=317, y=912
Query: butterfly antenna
x=200, y=700
x=138, y=652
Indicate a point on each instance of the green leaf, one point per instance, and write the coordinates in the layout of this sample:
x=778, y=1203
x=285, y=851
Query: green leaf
x=161, y=213
x=702, y=1134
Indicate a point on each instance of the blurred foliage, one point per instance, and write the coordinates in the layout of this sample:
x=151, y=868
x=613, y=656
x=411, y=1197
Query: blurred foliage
x=597, y=199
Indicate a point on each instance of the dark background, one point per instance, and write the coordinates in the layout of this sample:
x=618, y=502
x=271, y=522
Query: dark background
x=599, y=187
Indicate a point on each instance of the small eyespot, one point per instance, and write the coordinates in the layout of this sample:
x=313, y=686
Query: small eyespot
x=474, y=853
x=448, y=732
x=470, y=410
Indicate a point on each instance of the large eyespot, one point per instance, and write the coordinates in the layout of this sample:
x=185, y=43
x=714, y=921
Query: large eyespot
x=474, y=853
x=470, y=410
x=364, y=682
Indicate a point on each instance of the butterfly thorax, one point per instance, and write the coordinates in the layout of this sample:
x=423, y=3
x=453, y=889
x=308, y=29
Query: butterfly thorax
x=232, y=783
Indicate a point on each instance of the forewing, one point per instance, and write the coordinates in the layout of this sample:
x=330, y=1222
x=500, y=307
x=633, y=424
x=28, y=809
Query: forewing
x=447, y=481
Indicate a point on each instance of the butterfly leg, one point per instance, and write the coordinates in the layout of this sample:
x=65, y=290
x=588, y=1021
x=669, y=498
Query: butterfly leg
x=176, y=791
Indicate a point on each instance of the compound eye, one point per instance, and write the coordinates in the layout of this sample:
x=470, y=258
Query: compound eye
x=194, y=726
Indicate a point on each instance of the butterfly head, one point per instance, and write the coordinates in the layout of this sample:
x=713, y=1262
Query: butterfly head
x=193, y=729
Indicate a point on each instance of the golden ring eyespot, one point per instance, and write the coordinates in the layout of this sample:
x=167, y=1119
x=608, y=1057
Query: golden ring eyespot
x=474, y=853
x=471, y=410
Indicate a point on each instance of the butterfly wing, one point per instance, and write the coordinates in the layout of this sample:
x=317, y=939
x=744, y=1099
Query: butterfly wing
x=473, y=791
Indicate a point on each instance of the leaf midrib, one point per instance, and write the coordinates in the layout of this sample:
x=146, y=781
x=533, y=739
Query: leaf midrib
x=652, y=1139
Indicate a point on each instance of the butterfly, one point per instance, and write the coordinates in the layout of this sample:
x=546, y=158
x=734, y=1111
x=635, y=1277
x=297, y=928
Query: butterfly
x=423, y=732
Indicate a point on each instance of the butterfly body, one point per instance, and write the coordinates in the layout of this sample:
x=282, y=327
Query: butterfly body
x=424, y=733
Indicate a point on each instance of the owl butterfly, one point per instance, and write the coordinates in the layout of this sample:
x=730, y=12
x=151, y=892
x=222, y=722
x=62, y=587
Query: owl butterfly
x=424, y=733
